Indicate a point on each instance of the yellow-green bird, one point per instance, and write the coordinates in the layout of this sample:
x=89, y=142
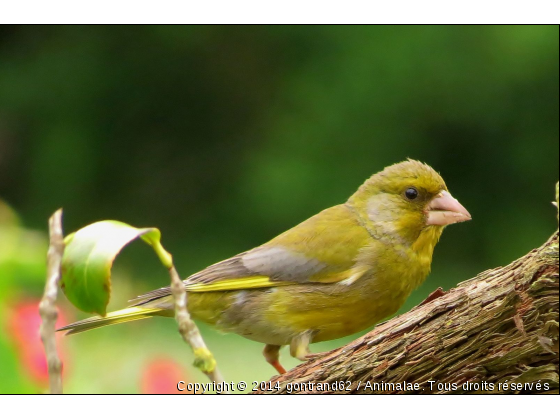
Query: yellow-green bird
x=335, y=274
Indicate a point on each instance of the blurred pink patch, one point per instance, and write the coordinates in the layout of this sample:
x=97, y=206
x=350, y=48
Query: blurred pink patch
x=23, y=325
x=161, y=375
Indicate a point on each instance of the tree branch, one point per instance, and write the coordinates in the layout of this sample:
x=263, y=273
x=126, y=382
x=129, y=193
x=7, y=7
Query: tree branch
x=204, y=360
x=47, y=307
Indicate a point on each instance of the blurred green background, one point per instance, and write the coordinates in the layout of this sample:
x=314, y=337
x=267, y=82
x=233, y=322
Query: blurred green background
x=225, y=136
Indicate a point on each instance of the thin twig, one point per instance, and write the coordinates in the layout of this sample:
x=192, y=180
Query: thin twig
x=204, y=359
x=47, y=307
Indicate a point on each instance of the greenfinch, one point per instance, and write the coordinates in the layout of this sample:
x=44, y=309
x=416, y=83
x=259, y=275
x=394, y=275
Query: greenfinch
x=337, y=273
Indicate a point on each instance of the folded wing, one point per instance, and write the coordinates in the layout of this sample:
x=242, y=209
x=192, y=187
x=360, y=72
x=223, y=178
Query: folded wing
x=323, y=249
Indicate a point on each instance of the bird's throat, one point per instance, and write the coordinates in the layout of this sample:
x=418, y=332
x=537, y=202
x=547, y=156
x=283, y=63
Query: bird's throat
x=426, y=241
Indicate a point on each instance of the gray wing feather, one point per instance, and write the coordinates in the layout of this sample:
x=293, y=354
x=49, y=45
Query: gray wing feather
x=276, y=262
x=281, y=264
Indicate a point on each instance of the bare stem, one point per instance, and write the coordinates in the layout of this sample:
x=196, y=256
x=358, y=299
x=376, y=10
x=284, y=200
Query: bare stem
x=47, y=307
x=204, y=360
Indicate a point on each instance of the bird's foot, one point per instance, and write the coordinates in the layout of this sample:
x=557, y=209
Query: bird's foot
x=279, y=368
x=271, y=354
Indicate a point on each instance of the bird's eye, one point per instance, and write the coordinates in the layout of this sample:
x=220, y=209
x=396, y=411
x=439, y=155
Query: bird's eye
x=411, y=193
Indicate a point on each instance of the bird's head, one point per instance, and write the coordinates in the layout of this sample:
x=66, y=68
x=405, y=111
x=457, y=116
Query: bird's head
x=408, y=201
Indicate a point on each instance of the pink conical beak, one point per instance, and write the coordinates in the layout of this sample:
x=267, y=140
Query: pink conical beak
x=444, y=210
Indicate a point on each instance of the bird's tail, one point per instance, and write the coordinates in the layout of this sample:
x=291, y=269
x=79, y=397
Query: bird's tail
x=117, y=317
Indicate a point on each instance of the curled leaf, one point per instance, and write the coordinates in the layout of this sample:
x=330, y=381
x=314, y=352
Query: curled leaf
x=88, y=258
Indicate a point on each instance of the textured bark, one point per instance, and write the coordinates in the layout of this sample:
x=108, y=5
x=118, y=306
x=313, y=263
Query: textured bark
x=500, y=327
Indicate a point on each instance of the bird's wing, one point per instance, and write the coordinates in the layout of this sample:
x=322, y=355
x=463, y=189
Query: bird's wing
x=323, y=249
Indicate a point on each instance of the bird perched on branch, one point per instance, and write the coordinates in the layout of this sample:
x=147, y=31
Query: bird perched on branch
x=335, y=274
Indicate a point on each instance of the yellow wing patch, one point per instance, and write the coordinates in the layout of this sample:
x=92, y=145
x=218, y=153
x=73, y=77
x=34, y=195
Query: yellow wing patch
x=255, y=282
x=258, y=282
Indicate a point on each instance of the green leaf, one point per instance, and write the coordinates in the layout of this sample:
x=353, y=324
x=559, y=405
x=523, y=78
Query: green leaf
x=88, y=258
